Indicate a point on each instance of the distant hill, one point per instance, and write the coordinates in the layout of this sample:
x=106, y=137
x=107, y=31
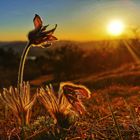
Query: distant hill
x=18, y=46
x=128, y=74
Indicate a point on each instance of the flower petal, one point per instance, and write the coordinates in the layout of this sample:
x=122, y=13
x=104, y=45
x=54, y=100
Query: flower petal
x=50, y=32
x=78, y=107
x=51, y=38
x=46, y=45
x=44, y=28
x=37, y=21
x=79, y=90
x=48, y=39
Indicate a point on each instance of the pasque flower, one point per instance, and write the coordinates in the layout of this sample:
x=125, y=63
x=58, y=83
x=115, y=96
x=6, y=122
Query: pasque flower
x=40, y=36
x=37, y=37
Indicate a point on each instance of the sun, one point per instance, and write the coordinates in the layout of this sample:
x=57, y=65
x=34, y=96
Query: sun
x=115, y=27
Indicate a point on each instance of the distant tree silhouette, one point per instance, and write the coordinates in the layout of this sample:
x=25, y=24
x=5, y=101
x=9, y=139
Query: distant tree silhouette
x=8, y=67
x=66, y=61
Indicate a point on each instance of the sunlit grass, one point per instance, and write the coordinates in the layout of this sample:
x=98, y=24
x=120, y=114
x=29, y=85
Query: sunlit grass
x=20, y=103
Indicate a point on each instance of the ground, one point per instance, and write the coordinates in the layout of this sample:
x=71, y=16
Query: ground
x=112, y=112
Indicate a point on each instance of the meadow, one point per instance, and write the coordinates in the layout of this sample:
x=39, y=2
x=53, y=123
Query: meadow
x=107, y=68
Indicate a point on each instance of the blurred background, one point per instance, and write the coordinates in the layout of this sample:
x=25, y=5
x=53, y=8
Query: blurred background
x=98, y=42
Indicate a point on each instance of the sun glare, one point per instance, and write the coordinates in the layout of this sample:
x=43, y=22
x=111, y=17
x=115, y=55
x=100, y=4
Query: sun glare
x=115, y=27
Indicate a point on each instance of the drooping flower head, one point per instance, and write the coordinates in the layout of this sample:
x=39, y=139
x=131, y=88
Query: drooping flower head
x=74, y=93
x=66, y=104
x=40, y=36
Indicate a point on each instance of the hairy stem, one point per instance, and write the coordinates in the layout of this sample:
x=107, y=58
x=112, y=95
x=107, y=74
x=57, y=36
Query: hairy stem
x=20, y=82
x=21, y=66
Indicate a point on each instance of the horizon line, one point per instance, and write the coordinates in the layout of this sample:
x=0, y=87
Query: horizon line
x=94, y=40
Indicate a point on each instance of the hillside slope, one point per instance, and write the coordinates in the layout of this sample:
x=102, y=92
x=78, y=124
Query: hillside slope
x=125, y=75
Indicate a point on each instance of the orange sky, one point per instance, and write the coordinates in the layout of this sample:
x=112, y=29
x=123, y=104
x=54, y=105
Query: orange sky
x=77, y=19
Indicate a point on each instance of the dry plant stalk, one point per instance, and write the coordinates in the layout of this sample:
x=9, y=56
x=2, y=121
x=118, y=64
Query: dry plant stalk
x=63, y=107
x=20, y=104
x=58, y=107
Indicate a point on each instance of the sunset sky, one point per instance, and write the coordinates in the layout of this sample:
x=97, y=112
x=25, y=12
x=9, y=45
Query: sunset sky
x=76, y=19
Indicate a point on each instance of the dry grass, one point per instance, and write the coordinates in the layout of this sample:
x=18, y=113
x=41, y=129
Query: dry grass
x=97, y=123
x=128, y=74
